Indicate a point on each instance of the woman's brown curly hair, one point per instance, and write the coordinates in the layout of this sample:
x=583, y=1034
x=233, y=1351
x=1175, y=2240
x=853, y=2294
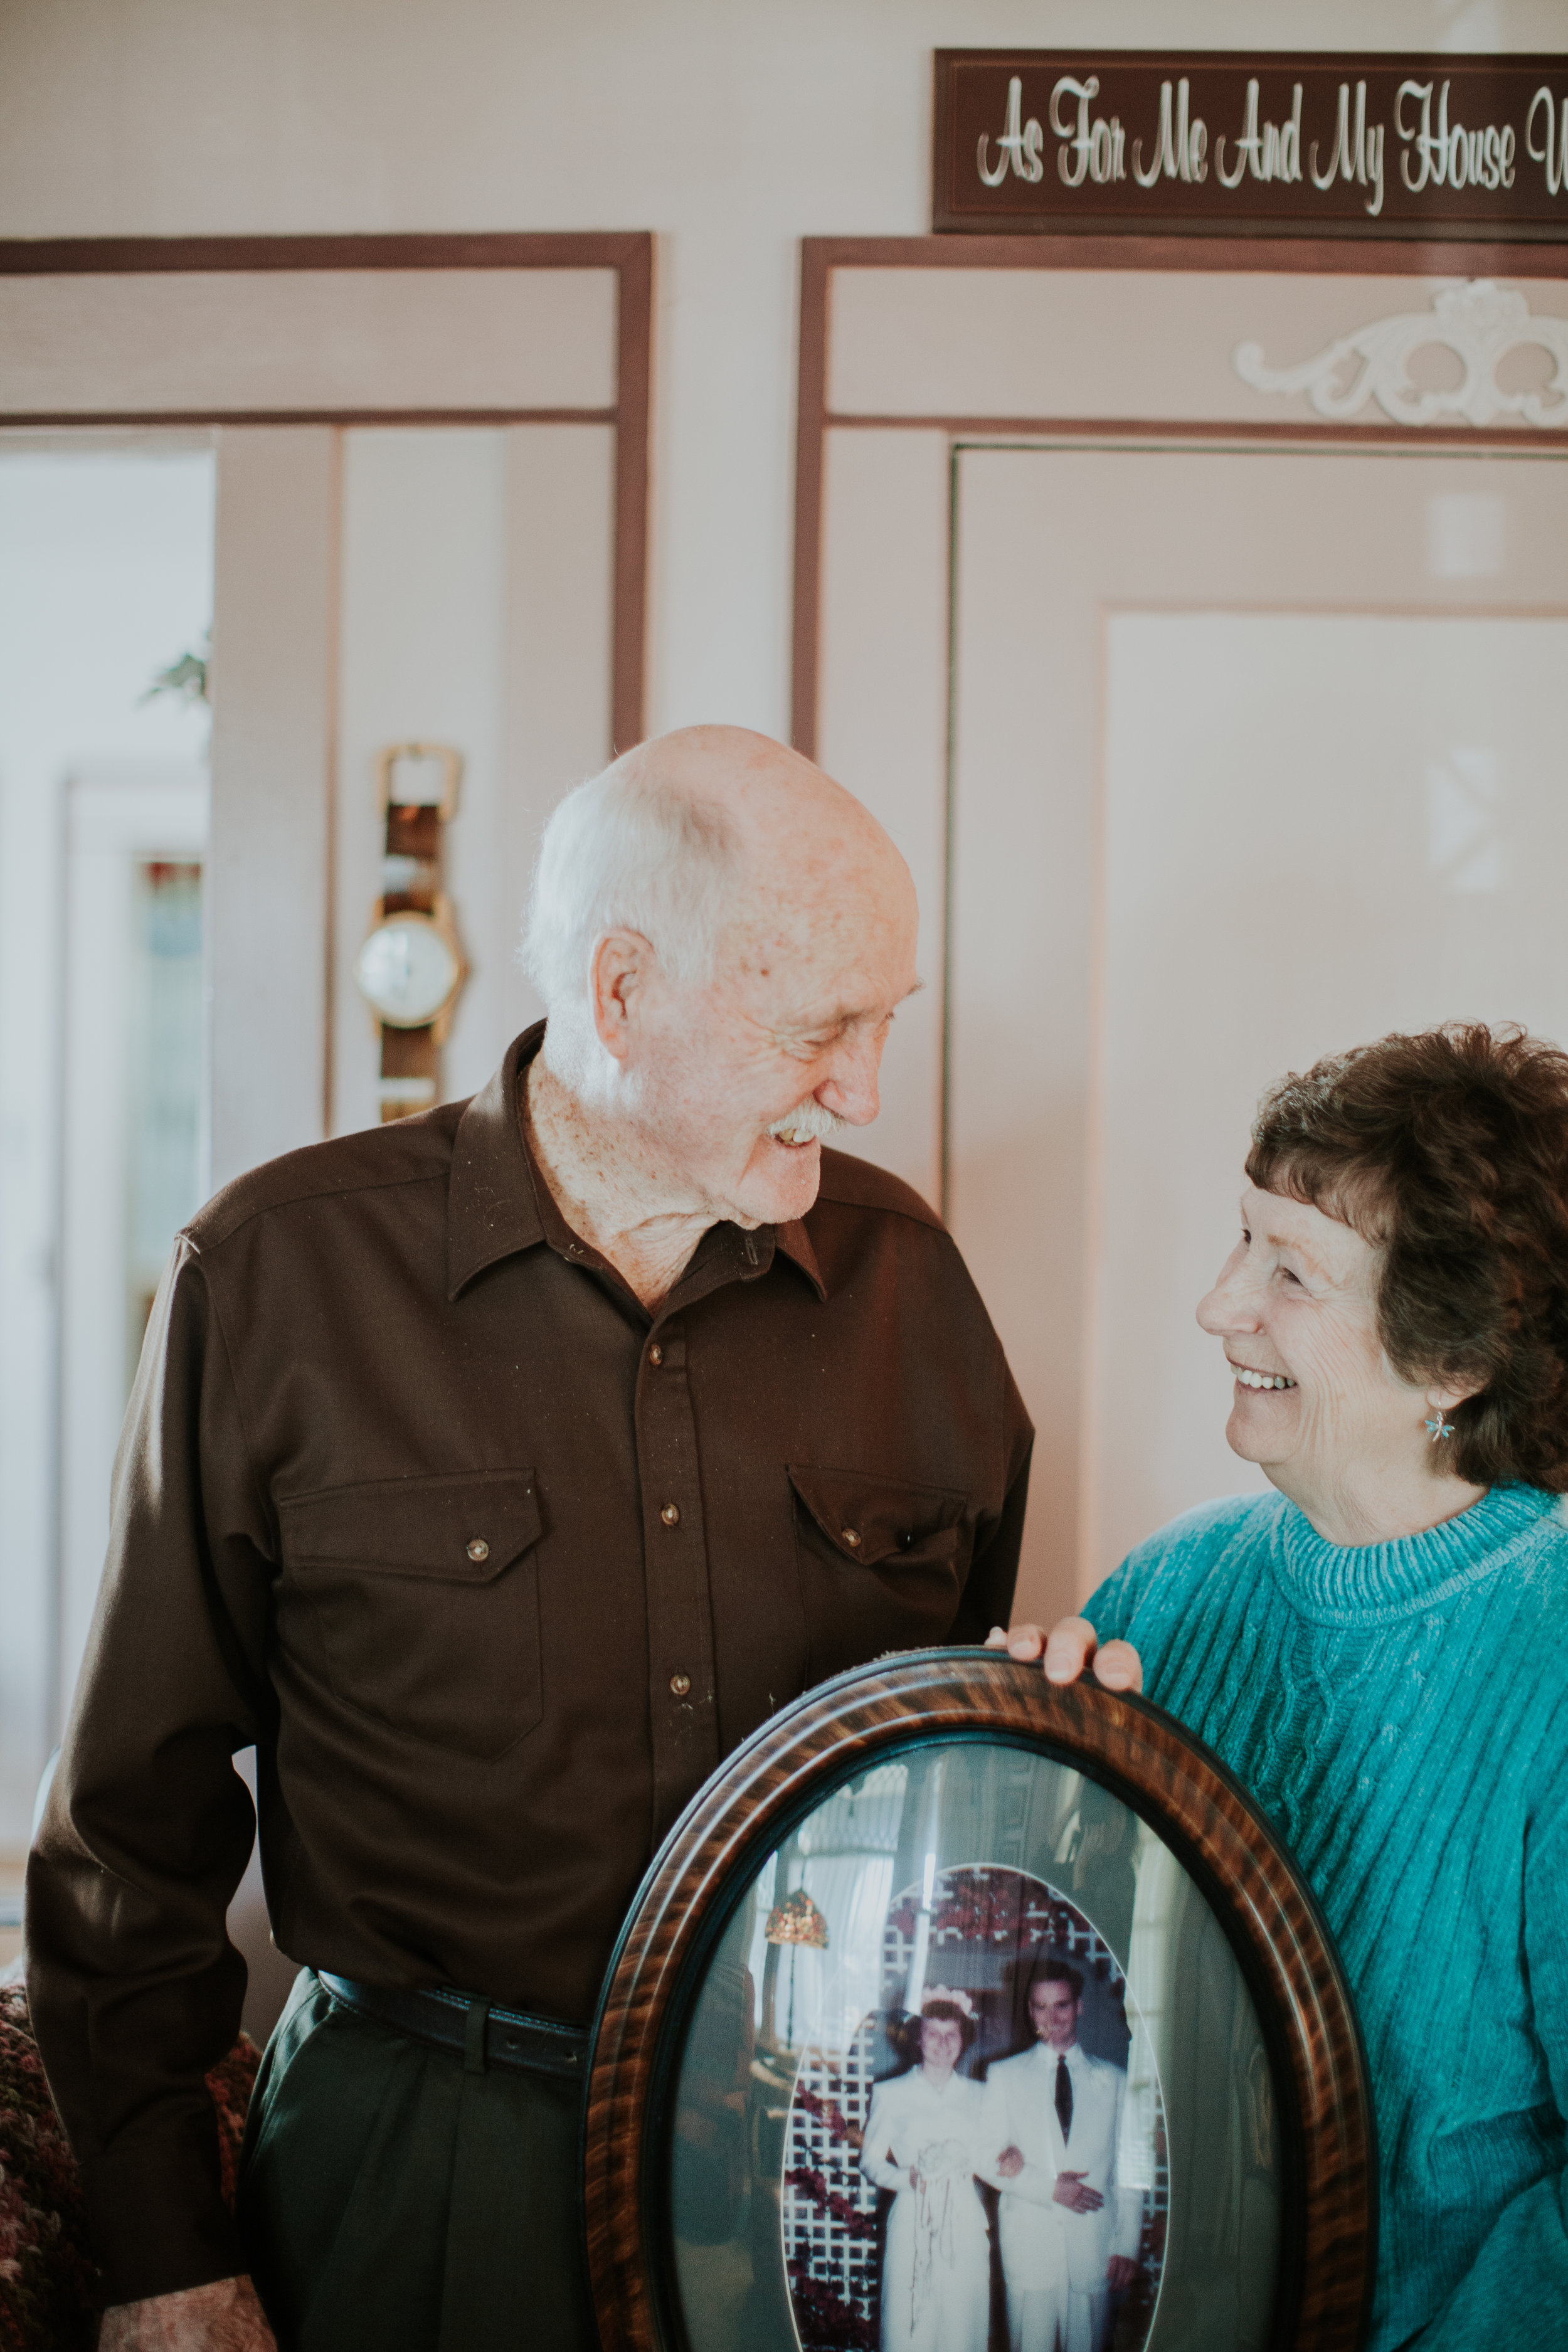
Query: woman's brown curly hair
x=1450, y=1151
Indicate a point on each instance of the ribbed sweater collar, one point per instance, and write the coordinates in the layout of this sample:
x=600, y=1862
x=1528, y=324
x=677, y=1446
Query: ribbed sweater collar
x=1366, y=1584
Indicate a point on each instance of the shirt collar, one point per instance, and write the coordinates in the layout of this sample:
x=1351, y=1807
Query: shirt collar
x=491, y=1210
x=1073, y=2053
x=498, y=1204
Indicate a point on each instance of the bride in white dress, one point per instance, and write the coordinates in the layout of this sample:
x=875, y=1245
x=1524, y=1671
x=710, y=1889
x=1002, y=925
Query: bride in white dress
x=920, y=2143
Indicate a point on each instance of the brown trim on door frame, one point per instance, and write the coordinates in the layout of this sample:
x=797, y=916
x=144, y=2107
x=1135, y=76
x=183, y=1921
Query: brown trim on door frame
x=629, y=252
x=1149, y=429
x=820, y=255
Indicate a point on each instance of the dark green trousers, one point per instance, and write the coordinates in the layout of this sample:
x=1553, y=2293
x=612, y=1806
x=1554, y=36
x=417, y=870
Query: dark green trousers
x=391, y=2199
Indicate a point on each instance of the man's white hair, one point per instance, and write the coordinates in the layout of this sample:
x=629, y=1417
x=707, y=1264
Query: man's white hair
x=621, y=853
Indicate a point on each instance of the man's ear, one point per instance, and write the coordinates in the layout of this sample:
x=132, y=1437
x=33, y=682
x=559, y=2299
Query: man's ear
x=622, y=967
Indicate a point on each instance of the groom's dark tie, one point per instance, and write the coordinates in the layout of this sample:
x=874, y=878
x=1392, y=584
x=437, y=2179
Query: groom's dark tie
x=1064, y=2097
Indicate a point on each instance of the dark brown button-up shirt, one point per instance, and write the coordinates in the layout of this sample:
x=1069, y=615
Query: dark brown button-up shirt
x=493, y=1568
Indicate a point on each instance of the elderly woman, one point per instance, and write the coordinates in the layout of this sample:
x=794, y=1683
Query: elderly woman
x=922, y=2143
x=1378, y=1649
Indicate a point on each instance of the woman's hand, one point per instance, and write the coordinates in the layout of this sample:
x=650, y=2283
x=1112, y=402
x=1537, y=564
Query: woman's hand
x=1071, y=1644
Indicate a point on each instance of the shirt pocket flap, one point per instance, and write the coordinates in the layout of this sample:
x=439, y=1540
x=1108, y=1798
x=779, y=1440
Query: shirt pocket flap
x=466, y=1527
x=873, y=1520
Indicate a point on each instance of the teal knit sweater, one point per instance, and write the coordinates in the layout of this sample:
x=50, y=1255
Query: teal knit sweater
x=1400, y=1711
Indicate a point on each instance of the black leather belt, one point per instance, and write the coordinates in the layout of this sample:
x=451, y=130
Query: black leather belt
x=479, y=2031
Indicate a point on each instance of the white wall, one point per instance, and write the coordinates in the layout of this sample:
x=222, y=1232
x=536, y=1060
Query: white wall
x=731, y=130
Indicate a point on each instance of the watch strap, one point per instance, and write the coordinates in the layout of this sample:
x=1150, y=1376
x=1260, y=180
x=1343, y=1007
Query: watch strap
x=410, y=1064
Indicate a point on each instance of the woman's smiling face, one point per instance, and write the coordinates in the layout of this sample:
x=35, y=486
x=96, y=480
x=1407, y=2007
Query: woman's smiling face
x=942, y=2044
x=1317, y=1405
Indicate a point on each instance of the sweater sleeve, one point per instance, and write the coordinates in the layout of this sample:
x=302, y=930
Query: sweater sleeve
x=1152, y=1579
x=134, y=1987
x=1516, y=2289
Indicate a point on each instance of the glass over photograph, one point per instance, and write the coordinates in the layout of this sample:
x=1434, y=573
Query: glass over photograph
x=973, y=2068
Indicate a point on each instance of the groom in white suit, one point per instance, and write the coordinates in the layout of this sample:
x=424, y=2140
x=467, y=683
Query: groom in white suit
x=1068, y=2232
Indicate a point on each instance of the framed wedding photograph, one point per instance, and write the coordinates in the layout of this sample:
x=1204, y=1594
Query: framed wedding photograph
x=962, y=2012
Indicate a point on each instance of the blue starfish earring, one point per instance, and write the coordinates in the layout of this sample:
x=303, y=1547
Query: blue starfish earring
x=1440, y=1428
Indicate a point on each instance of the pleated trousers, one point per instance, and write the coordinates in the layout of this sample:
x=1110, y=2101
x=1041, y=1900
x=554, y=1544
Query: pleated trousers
x=394, y=2198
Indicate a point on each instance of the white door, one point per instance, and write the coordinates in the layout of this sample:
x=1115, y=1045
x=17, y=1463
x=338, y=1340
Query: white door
x=1258, y=755
x=132, y=1111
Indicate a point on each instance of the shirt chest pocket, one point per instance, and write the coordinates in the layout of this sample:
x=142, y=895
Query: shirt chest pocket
x=882, y=1563
x=425, y=1596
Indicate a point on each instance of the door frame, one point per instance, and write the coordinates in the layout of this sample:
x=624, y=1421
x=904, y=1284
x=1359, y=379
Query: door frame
x=905, y=758
x=822, y=257
x=294, y=827
x=627, y=252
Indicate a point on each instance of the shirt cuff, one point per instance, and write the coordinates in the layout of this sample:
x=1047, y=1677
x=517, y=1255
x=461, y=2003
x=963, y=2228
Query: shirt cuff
x=156, y=2215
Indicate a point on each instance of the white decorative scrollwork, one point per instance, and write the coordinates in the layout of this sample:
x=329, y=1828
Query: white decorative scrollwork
x=1481, y=322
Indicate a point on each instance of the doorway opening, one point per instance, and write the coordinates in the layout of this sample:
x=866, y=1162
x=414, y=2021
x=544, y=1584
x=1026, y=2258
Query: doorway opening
x=106, y=585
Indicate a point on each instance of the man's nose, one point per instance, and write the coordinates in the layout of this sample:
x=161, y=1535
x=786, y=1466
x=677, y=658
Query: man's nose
x=851, y=1090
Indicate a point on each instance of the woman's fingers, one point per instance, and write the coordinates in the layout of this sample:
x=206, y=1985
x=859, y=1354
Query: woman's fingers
x=1070, y=1646
x=1119, y=1666
x=1068, y=1650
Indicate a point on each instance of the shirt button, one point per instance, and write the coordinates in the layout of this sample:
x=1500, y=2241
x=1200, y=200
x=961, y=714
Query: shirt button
x=479, y=1549
x=680, y=1685
x=655, y=1354
x=670, y=1514
x=851, y=1537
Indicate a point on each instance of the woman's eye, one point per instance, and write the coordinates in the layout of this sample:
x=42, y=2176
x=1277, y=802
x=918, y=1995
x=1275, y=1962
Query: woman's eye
x=1288, y=1276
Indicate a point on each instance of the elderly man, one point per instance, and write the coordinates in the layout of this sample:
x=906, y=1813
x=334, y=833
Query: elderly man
x=495, y=1473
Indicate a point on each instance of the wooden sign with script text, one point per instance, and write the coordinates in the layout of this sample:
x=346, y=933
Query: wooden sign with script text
x=1216, y=142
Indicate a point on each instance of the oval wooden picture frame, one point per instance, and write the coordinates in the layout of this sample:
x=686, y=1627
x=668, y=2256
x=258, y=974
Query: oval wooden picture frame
x=1144, y=1758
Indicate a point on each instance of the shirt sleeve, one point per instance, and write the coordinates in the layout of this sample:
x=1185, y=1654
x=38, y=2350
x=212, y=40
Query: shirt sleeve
x=993, y=1571
x=134, y=1987
x=1520, y=2277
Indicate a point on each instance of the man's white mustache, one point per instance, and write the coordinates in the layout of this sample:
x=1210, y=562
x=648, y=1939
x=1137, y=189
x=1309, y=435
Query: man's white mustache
x=812, y=1122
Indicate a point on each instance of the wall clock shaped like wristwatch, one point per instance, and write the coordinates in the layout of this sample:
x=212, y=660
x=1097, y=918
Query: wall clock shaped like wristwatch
x=411, y=968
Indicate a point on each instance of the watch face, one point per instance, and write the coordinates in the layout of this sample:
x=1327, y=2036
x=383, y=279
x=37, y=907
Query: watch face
x=408, y=969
